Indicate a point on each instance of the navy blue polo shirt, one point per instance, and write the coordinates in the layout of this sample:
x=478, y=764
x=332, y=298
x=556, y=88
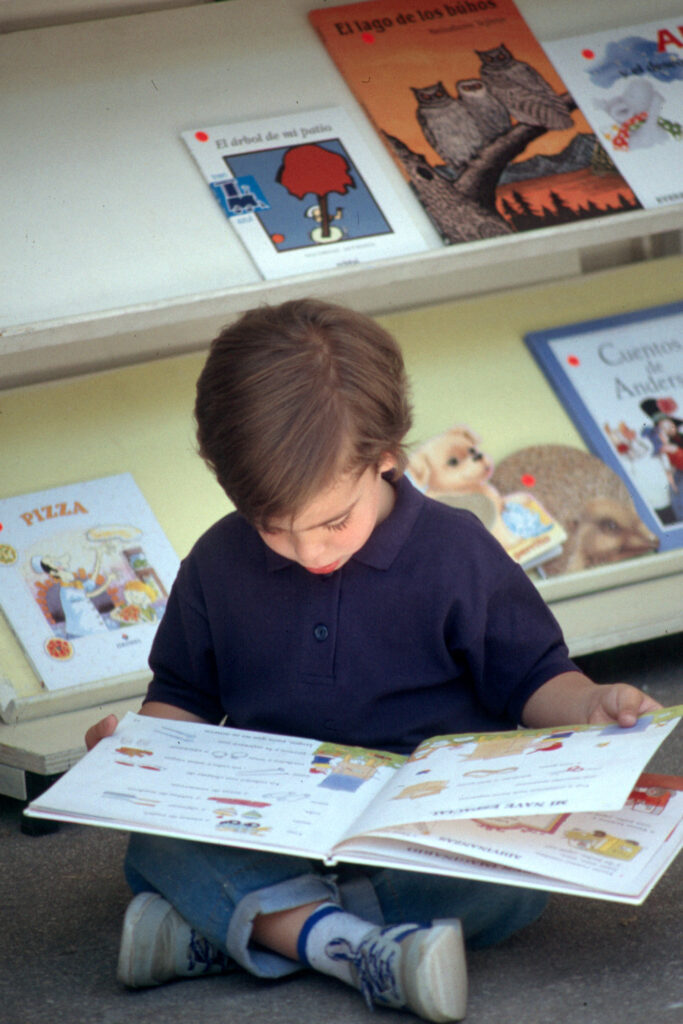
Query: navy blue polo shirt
x=429, y=629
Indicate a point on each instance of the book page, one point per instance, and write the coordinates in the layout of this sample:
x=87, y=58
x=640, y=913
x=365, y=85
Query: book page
x=219, y=785
x=523, y=772
x=619, y=852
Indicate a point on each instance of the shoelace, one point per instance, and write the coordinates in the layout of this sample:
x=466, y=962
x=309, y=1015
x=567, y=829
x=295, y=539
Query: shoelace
x=374, y=967
x=200, y=953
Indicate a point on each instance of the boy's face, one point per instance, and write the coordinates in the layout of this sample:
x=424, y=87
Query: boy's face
x=336, y=524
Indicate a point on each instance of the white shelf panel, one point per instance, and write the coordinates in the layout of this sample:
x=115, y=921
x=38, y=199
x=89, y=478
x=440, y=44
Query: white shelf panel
x=114, y=248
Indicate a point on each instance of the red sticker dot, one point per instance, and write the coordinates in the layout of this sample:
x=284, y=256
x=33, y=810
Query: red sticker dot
x=573, y=360
x=367, y=37
x=201, y=136
x=278, y=239
x=588, y=54
x=528, y=480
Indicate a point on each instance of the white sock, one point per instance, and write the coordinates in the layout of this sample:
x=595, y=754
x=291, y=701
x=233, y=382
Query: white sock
x=328, y=940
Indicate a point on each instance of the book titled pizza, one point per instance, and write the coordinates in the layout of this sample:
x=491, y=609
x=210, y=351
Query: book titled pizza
x=85, y=572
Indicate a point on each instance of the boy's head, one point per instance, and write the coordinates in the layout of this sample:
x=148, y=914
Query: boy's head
x=292, y=396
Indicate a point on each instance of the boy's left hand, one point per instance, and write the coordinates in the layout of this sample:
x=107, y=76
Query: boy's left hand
x=618, y=702
x=572, y=698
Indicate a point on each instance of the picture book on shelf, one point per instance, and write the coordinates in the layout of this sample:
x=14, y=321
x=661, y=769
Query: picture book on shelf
x=85, y=571
x=563, y=809
x=452, y=467
x=621, y=380
x=303, y=192
x=474, y=113
x=628, y=82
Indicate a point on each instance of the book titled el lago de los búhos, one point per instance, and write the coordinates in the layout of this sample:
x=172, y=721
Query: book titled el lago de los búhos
x=628, y=82
x=620, y=378
x=563, y=809
x=474, y=113
x=303, y=192
x=85, y=571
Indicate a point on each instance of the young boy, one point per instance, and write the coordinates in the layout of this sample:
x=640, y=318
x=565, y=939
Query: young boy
x=338, y=603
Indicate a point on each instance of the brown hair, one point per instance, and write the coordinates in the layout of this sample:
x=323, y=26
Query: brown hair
x=291, y=395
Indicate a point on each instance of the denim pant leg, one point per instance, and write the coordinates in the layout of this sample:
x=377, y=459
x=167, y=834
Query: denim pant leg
x=489, y=912
x=219, y=890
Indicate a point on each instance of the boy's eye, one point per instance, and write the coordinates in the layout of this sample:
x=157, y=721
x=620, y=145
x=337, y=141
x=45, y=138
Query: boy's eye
x=339, y=525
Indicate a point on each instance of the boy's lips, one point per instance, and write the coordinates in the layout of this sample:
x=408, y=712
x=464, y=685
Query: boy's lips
x=323, y=570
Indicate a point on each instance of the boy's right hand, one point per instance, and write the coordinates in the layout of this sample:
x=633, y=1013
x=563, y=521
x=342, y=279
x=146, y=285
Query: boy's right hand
x=156, y=709
x=99, y=730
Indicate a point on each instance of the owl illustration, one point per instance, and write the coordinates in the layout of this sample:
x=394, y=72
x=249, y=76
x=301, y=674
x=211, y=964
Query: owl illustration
x=522, y=90
x=490, y=115
x=448, y=126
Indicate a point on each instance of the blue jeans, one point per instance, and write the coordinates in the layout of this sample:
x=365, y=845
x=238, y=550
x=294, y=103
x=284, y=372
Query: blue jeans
x=220, y=890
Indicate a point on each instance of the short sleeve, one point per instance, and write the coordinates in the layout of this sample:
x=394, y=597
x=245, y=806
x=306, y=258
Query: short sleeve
x=513, y=642
x=182, y=658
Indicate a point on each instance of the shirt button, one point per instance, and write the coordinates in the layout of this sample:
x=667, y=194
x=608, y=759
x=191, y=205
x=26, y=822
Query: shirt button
x=321, y=632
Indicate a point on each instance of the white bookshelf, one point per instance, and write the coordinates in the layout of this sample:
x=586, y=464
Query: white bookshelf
x=113, y=248
x=114, y=253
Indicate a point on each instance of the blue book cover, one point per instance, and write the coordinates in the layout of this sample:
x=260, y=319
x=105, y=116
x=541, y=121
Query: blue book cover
x=620, y=378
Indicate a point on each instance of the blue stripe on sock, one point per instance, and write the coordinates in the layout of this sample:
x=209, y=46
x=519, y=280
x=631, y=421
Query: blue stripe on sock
x=317, y=915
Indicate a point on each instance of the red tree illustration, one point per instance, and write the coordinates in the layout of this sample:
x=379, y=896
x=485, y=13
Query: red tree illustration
x=312, y=168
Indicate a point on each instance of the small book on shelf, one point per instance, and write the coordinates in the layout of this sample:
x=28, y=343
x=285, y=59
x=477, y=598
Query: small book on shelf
x=474, y=114
x=85, y=572
x=620, y=378
x=303, y=192
x=628, y=81
x=563, y=809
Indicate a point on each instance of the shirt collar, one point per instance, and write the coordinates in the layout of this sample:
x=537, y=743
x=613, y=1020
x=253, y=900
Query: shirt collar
x=386, y=540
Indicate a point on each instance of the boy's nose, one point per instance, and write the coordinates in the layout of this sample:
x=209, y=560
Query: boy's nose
x=310, y=551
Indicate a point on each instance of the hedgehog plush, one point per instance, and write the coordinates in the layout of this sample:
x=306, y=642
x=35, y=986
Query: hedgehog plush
x=587, y=497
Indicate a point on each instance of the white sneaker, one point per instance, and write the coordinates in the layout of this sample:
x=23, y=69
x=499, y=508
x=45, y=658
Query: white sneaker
x=414, y=967
x=157, y=944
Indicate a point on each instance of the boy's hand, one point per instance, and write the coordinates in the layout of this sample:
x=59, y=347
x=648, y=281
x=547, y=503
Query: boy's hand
x=619, y=702
x=97, y=732
x=572, y=699
x=155, y=709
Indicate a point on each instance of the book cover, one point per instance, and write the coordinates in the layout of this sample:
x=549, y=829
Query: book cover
x=303, y=192
x=453, y=468
x=474, y=113
x=629, y=84
x=85, y=571
x=620, y=379
x=524, y=799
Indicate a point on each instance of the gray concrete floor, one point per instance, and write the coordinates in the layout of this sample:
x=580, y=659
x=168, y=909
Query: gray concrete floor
x=586, y=961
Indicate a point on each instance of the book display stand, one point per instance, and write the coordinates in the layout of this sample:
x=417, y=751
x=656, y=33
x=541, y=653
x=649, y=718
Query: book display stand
x=120, y=267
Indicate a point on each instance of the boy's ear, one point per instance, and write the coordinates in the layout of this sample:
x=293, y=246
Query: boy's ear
x=387, y=462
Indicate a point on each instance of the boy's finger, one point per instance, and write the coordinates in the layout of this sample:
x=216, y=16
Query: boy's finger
x=97, y=732
x=630, y=703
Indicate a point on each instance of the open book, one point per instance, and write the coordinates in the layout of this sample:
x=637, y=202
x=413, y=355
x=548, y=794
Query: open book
x=559, y=809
